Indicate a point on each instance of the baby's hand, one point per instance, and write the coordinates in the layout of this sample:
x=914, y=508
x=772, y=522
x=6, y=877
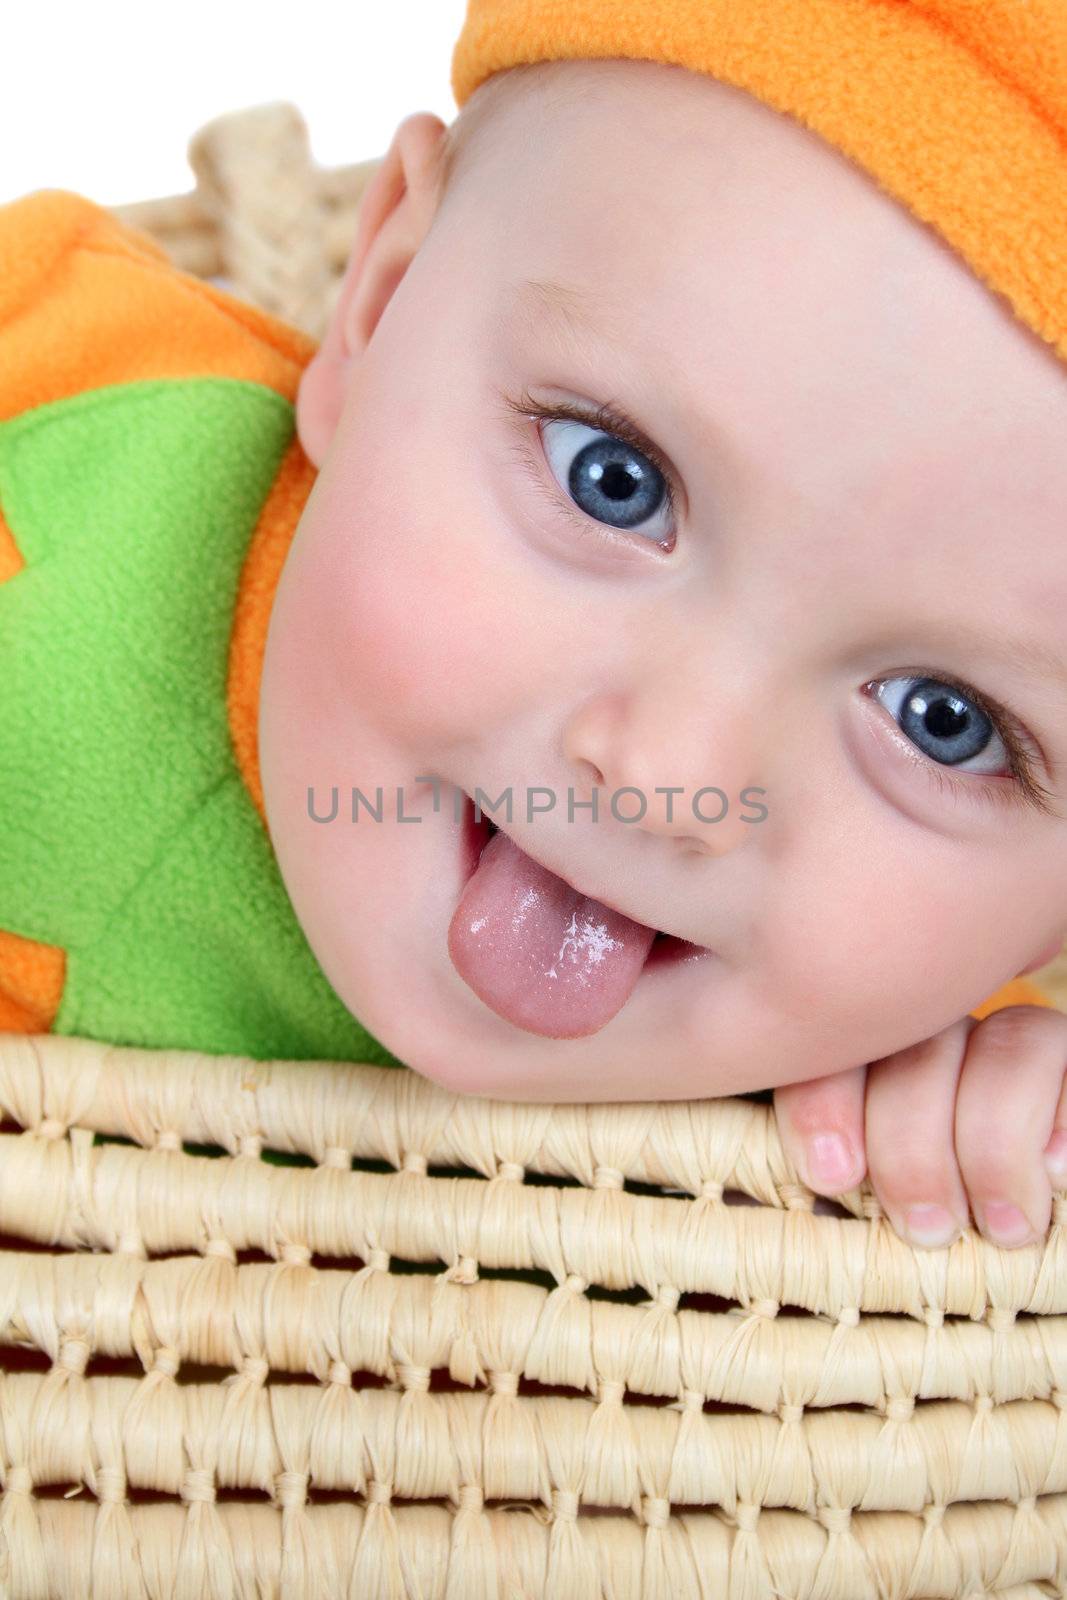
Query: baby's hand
x=976, y=1114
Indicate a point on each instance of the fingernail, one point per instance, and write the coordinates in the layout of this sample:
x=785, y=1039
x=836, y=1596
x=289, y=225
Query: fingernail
x=1056, y=1158
x=830, y=1160
x=1006, y=1224
x=930, y=1225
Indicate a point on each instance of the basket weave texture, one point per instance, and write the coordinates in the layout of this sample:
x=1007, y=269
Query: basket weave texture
x=318, y=1329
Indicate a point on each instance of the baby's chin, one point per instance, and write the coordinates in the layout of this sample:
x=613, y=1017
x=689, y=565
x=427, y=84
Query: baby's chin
x=376, y=901
x=406, y=991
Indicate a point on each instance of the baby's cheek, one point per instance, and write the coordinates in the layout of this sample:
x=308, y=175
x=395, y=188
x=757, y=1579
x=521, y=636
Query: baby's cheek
x=880, y=937
x=385, y=642
x=421, y=641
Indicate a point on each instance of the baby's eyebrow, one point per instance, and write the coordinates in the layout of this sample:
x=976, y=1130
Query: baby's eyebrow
x=565, y=304
x=549, y=294
x=987, y=644
x=593, y=322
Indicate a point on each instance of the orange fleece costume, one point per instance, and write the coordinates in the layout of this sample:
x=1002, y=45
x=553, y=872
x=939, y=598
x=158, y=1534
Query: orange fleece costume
x=150, y=484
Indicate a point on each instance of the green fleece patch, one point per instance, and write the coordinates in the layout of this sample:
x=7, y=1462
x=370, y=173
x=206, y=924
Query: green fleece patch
x=127, y=836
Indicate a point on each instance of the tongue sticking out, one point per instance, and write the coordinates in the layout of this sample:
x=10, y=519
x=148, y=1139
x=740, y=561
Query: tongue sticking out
x=541, y=955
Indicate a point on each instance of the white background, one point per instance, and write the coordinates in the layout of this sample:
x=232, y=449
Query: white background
x=102, y=97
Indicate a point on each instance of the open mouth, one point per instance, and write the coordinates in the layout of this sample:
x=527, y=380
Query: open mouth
x=665, y=949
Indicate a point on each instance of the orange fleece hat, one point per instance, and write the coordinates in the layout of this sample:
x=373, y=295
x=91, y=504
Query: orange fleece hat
x=958, y=108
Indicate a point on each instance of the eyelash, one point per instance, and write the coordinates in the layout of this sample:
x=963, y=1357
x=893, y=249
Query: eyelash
x=607, y=418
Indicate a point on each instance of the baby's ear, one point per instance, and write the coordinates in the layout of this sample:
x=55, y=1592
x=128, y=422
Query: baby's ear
x=394, y=217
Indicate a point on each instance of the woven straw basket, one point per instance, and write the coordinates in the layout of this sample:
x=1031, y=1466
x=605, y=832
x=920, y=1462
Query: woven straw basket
x=318, y=1329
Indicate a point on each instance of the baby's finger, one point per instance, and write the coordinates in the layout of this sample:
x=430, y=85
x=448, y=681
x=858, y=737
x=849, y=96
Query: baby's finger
x=821, y=1124
x=911, y=1098
x=1009, y=1092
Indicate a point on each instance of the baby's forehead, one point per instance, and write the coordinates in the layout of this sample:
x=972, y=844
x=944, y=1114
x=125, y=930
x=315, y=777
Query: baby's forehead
x=644, y=162
x=673, y=174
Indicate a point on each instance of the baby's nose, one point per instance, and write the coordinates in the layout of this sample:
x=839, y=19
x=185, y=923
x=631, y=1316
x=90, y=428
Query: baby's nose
x=685, y=774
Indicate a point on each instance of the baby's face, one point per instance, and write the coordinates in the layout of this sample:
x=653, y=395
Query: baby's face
x=867, y=481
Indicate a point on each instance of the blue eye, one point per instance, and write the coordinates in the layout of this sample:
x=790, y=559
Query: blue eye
x=945, y=724
x=608, y=478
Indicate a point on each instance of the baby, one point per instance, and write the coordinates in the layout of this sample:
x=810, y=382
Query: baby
x=834, y=471
x=689, y=509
